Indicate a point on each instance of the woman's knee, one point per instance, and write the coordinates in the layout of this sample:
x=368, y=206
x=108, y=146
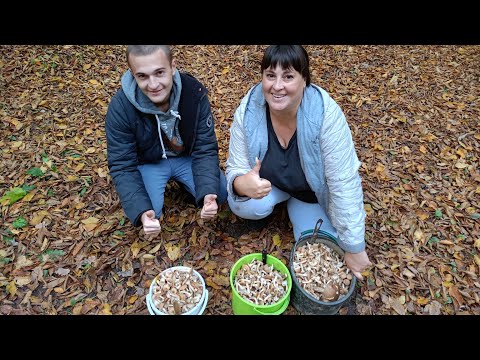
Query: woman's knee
x=251, y=209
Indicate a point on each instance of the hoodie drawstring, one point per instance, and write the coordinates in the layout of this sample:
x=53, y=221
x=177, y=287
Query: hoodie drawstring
x=164, y=155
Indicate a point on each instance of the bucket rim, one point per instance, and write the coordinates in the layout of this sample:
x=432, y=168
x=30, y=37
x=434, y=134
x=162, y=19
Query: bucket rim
x=328, y=242
x=289, y=286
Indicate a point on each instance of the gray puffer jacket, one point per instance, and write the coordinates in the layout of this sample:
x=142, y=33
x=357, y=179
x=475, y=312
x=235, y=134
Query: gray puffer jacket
x=327, y=156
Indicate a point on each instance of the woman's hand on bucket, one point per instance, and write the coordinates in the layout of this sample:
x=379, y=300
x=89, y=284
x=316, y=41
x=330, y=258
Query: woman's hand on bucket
x=357, y=263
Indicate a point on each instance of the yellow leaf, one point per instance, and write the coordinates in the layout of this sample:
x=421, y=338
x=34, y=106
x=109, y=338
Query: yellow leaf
x=277, y=241
x=380, y=168
x=422, y=301
x=148, y=256
x=212, y=284
x=18, y=125
x=377, y=146
x=477, y=244
x=173, y=251
x=368, y=209
x=423, y=149
x=419, y=236
x=16, y=144
x=461, y=152
x=11, y=288
x=446, y=242
x=135, y=248
x=106, y=309
x=477, y=259
x=23, y=280
x=422, y=215
x=90, y=150
x=29, y=196
x=79, y=167
x=132, y=299
x=155, y=249
x=225, y=70
x=80, y=205
x=71, y=178
x=90, y=223
x=38, y=217
x=193, y=238
x=87, y=66
x=461, y=165
x=221, y=280
x=477, y=191
x=22, y=261
x=93, y=82
x=44, y=243
x=77, y=310
x=102, y=103
x=102, y=172
x=210, y=266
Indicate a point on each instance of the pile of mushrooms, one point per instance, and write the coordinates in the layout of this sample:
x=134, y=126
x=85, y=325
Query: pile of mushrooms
x=321, y=272
x=175, y=292
x=260, y=283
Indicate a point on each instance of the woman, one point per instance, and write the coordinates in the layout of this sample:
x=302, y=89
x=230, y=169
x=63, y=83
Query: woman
x=290, y=141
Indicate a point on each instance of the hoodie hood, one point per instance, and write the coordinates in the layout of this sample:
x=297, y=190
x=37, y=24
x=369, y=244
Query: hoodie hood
x=167, y=122
x=138, y=99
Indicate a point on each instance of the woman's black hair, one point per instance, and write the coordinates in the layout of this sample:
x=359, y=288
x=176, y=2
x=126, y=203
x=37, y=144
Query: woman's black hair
x=288, y=56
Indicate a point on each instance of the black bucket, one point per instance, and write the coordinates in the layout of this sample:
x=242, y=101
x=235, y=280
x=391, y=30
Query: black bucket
x=301, y=299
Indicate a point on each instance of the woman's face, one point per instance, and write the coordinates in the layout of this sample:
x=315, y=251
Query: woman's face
x=282, y=88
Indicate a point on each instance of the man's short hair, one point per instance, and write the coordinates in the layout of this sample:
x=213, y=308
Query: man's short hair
x=143, y=50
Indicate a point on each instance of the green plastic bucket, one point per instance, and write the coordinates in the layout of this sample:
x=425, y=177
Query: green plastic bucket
x=243, y=307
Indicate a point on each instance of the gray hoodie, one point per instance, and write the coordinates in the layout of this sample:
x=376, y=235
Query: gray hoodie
x=167, y=122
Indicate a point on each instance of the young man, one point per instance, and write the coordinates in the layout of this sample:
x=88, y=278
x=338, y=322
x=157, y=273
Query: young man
x=159, y=126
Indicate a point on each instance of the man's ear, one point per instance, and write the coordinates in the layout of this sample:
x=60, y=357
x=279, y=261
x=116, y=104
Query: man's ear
x=174, y=66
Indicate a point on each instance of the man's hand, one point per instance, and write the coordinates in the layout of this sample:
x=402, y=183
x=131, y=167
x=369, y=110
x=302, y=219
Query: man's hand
x=210, y=207
x=151, y=225
x=357, y=263
x=252, y=185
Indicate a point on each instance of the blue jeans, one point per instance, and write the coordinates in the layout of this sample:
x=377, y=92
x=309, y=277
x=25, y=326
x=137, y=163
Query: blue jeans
x=156, y=176
x=303, y=216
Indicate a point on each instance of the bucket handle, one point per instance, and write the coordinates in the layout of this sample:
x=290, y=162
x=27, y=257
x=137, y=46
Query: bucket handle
x=318, y=225
x=278, y=312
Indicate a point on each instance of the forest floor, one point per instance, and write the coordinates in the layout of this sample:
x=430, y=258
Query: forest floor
x=67, y=248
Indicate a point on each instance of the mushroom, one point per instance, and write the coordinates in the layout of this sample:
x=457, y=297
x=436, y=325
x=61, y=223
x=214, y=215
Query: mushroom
x=331, y=292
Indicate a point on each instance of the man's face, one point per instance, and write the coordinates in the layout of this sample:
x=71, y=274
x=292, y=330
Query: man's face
x=154, y=76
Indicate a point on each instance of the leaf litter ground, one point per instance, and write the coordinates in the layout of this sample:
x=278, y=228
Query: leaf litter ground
x=66, y=247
